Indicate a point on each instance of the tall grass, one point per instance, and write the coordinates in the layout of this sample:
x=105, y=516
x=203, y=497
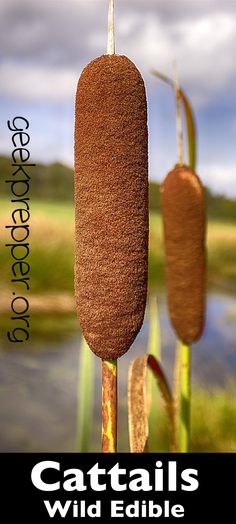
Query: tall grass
x=213, y=422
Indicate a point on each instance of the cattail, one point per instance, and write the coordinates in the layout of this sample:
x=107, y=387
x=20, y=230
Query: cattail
x=183, y=208
x=111, y=199
x=111, y=214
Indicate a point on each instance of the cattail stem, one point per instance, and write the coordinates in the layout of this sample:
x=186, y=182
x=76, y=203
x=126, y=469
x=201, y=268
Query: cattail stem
x=179, y=125
x=109, y=406
x=176, y=395
x=109, y=367
x=185, y=397
x=111, y=29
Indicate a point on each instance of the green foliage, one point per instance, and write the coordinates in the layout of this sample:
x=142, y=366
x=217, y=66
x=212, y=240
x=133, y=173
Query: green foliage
x=54, y=328
x=220, y=207
x=154, y=196
x=213, y=422
x=191, y=130
x=86, y=380
x=48, y=182
x=154, y=339
x=54, y=182
x=52, y=250
x=154, y=348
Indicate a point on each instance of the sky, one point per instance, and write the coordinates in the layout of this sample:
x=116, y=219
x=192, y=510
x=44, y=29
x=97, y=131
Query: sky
x=45, y=44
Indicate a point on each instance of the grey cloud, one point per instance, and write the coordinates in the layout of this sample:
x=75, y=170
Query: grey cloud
x=38, y=39
x=49, y=32
x=57, y=32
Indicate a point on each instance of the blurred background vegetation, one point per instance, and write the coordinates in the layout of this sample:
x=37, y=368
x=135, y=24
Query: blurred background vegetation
x=54, y=182
x=52, y=232
x=39, y=379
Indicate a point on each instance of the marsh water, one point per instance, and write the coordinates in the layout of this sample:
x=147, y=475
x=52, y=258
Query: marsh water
x=38, y=386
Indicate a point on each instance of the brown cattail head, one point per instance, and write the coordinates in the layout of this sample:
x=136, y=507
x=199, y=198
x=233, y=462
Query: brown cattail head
x=183, y=209
x=111, y=204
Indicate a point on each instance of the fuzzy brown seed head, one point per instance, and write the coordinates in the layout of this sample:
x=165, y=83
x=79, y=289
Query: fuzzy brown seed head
x=111, y=204
x=183, y=209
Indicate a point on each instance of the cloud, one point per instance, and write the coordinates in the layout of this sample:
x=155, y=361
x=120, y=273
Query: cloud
x=60, y=37
x=37, y=82
x=220, y=178
x=44, y=46
x=48, y=32
x=204, y=49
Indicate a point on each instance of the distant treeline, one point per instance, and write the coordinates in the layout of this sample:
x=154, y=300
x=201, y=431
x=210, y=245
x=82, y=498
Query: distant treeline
x=55, y=182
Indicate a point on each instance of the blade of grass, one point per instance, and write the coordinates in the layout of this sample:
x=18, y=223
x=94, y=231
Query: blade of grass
x=154, y=340
x=166, y=394
x=154, y=348
x=191, y=130
x=85, y=398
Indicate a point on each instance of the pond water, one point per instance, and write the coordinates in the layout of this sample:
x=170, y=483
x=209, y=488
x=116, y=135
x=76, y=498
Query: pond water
x=38, y=388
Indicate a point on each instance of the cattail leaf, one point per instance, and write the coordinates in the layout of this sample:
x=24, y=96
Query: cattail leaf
x=189, y=120
x=191, y=130
x=154, y=348
x=138, y=401
x=85, y=397
x=161, y=380
x=137, y=405
x=154, y=342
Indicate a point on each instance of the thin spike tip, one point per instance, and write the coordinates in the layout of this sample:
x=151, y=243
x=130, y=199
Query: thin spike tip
x=111, y=29
x=179, y=125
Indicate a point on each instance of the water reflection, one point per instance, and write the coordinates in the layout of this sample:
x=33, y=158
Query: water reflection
x=38, y=388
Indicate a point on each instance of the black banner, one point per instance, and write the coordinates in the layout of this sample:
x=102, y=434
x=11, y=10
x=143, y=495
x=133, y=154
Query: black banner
x=162, y=487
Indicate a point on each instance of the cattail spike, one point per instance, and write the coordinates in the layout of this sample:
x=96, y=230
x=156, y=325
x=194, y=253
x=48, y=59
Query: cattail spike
x=179, y=125
x=111, y=214
x=111, y=29
x=111, y=204
x=183, y=210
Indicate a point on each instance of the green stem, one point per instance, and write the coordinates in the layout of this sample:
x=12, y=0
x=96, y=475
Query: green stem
x=85, y=398
x=176, y=396
x=185, y=397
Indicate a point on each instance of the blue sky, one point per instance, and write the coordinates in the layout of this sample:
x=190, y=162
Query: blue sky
x=44, y=46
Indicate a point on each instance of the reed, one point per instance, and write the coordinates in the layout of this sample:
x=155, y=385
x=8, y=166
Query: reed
x=85, y=398
x=111, y=213
x=183, y=209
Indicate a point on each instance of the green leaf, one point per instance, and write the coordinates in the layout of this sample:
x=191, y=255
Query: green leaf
x=154, y=348
x=189, y=120
x=154, y=342
x=85, y=397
